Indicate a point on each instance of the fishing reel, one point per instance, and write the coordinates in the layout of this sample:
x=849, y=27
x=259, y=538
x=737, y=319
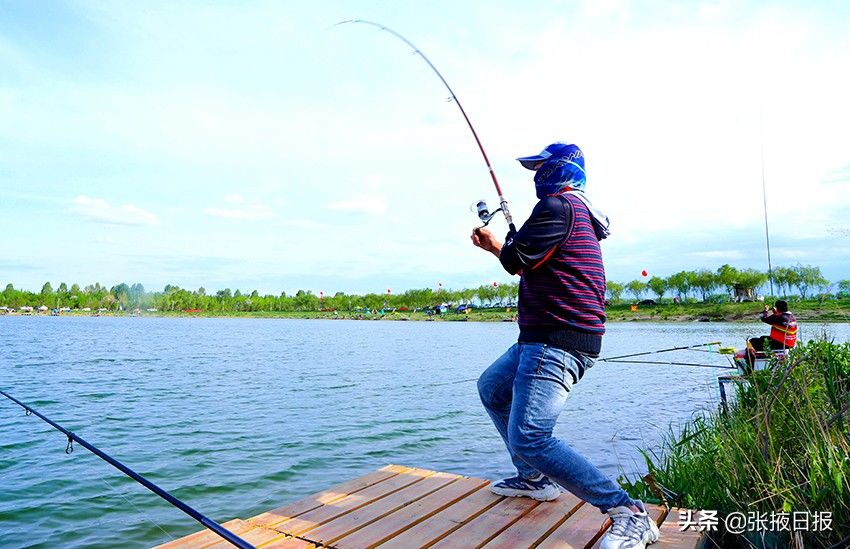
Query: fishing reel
x=484, y=214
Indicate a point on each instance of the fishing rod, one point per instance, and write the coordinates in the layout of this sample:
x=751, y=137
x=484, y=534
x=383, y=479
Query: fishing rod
x=613, y=358
x=672, y=363
x=72, y=438
x=764, y=199
x=481, y=207
x=618, y=359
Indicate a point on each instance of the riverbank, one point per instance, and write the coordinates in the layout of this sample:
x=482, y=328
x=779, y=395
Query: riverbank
x=806, y=311
x=781, y=450
x=836, y=310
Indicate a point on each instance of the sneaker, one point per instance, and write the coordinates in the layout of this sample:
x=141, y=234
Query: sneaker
x=539, y=488
x=630, y=530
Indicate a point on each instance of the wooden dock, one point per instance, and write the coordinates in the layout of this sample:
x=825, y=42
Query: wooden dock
x=405, y=507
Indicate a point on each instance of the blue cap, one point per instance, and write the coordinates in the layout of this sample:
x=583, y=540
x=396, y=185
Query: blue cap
x=558, y=150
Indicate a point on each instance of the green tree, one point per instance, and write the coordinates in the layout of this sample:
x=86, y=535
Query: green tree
x=751, y=278
x=137, y=295
x=47, y=290
x=658, y=286
x=637, y=288
x=121, y=293
x=728, y=276
x=486, y=293
x=809, y=278
x=681, y=282
x=785, y=278
x=705, y=281
x=614, y=290
x=224, y=295
x=306, y=301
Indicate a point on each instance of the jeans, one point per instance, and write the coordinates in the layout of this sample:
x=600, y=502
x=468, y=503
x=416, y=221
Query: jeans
x=524, y=391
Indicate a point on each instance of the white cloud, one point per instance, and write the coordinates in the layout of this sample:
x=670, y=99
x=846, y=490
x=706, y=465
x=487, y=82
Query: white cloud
x=101, y=211
x=239, y=208
x=249, y=211
x=366, y=203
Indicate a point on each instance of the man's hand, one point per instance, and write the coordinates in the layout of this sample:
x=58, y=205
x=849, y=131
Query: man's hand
x=485, y=240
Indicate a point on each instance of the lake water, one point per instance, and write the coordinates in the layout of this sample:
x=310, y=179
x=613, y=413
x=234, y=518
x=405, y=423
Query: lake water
x=238, y=416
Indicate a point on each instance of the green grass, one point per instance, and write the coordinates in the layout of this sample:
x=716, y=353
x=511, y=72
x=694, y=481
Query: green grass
x=834, y=310
x=783, y=446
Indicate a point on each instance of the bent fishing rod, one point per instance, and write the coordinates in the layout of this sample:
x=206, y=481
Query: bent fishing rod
x=197, y=515
x=483, y=214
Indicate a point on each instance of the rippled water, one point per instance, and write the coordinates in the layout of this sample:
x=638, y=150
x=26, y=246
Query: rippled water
x=237, y=416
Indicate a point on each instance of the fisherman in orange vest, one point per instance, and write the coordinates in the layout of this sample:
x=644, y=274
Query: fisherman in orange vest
x=783, y=331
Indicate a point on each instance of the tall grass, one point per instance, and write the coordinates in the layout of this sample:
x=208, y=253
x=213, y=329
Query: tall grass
x=784, y=445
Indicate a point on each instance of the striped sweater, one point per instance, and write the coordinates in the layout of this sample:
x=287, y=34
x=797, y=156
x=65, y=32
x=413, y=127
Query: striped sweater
x=562, y=284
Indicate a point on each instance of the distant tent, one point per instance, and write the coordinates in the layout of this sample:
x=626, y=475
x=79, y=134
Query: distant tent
x=742, y=293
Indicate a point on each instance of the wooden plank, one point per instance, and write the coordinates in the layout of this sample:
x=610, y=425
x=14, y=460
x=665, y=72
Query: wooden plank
x=207, y=537
x=391, y=525
x=489, y=524
x=275, y=516
x=673, y=538
x=575, y=532
x=255, y=536
x=446, y=521
x=329, y=532
x=537, y=523
x=657, y=513
x=312, y=519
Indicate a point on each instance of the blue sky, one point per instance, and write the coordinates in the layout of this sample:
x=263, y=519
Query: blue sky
x=254, y=145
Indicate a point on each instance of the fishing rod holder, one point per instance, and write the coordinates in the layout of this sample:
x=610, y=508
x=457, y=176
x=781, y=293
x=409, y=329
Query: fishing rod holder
x=484, y=214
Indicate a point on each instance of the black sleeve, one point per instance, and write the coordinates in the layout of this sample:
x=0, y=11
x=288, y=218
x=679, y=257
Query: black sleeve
x=774, y=319
x=550, y=223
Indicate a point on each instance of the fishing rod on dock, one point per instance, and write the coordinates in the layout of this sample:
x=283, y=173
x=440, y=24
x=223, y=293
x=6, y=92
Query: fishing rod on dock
x=479, y=207
x=72, y=438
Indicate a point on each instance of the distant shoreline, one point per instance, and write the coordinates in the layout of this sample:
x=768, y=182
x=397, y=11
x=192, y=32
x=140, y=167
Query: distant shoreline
x=833, y=311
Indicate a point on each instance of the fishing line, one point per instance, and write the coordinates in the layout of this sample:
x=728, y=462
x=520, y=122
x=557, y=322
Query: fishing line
x=72, y=438
x=503, y=204
x=620, y=357
x=129, y=501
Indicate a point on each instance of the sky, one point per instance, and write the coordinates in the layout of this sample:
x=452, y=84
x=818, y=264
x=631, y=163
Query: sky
x=256, y=145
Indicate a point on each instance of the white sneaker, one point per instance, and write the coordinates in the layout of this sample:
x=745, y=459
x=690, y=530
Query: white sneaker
x=630, y=530
x=539, y=488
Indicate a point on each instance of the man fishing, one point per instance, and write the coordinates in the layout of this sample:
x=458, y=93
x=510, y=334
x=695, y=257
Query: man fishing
x=783, y=331
x=561, y=317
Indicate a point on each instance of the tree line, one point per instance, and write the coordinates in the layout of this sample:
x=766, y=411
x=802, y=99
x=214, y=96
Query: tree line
x=685, y=285
x=173, y=298
x=703, y=284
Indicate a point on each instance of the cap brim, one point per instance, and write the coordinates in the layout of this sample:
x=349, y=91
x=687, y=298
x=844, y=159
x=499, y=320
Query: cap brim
x=528, y=162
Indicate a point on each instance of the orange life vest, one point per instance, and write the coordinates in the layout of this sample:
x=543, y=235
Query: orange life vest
x=787, y=335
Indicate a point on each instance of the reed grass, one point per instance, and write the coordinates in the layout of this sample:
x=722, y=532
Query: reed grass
x=783, y=446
